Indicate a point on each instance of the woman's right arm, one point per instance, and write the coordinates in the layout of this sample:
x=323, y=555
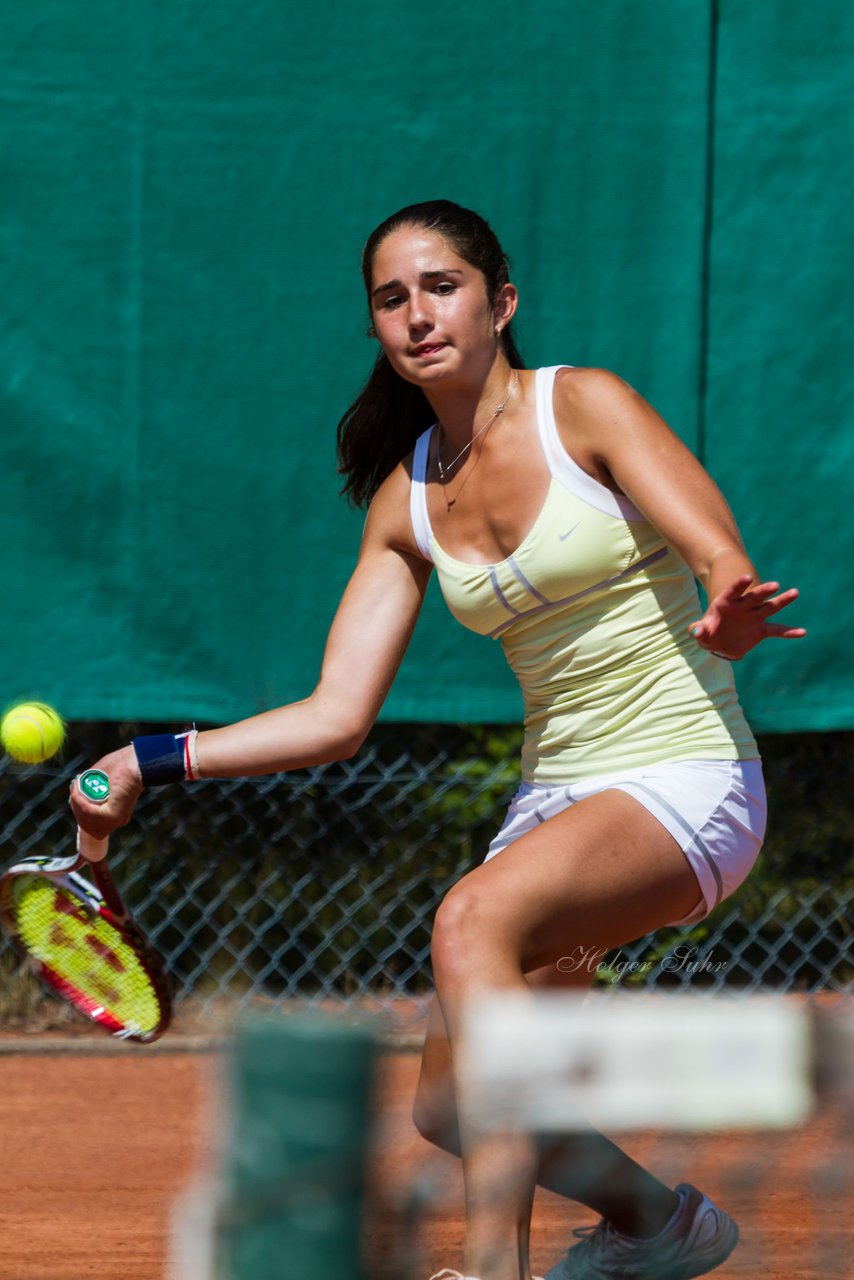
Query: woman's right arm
x=367, y=640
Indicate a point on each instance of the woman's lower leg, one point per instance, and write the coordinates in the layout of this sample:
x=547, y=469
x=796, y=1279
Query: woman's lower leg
x=588, y=1168
x=499, y=1169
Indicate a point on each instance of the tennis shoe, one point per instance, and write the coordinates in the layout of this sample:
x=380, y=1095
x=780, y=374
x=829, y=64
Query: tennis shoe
x=697, y=1239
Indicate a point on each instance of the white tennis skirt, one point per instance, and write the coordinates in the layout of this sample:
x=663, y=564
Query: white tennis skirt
x=714, y=809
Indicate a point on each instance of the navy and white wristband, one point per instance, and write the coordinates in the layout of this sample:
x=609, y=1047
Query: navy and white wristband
x=167, y=757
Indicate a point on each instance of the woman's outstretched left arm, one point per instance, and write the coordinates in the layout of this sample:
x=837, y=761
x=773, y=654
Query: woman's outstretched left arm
x=613, y=432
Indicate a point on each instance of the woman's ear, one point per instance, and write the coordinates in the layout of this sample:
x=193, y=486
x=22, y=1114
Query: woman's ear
x=504, y=307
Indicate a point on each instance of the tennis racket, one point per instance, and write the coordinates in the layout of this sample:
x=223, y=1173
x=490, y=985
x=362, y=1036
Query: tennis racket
x=80, y=940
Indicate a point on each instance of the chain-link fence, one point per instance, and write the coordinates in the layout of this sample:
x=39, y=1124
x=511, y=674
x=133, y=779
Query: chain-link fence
x=322, y=884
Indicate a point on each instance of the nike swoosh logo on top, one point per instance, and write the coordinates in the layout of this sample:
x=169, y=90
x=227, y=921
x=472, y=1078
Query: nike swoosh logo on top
x=563, y=536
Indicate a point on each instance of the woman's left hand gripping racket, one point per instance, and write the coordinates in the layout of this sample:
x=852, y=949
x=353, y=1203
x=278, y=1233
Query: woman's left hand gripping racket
x=81, y=941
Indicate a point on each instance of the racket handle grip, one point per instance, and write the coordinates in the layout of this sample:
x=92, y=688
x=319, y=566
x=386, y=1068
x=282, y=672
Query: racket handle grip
x=91, y=849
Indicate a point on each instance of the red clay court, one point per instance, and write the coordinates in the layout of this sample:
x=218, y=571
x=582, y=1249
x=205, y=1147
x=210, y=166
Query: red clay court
x=61, y=1172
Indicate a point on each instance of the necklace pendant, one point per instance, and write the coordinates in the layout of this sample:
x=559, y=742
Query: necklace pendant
x=445, y=471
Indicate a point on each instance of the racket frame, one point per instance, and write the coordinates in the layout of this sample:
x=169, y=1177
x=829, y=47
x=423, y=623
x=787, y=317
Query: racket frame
x=99, y=899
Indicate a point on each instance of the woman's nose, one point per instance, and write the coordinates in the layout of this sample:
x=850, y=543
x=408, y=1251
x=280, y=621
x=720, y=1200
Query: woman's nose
x=419, y=313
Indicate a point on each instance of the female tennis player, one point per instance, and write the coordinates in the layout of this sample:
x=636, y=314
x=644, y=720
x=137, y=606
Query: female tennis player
x=564, y=518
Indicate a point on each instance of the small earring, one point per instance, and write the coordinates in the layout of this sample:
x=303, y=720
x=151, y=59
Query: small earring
x=498, y=331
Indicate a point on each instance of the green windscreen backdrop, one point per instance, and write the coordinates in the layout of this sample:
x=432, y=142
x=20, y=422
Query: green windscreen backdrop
x=186, y=186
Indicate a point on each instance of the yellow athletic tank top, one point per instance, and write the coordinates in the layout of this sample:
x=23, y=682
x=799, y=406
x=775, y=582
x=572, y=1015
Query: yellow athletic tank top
x=592, y=610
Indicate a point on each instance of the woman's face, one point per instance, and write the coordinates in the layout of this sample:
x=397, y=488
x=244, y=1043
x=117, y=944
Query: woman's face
x=429, y=307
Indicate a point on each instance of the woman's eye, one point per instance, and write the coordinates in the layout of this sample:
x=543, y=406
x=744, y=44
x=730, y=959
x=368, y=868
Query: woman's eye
x=390, y=303
x=445, y=287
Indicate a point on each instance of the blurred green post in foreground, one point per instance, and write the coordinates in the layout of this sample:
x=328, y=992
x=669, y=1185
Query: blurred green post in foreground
x=294, y=1165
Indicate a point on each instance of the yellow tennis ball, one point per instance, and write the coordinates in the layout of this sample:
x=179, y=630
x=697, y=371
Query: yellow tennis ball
x=32, y=732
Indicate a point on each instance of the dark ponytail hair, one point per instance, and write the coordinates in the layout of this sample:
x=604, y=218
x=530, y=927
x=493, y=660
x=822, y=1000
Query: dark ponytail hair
x=384, y=421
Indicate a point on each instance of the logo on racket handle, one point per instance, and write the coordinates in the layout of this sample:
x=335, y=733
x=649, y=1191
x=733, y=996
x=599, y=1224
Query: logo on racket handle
x=94, y=785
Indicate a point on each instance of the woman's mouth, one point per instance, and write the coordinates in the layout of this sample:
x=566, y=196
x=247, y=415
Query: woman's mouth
x=428, y=349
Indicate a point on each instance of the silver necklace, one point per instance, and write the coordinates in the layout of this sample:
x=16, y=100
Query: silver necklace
x=444, y=471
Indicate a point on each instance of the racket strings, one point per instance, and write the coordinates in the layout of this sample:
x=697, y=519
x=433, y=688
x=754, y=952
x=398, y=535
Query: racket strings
x=85, y=952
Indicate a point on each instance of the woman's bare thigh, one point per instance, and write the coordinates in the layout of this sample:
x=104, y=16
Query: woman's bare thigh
x=590, y=879
x=599, y=874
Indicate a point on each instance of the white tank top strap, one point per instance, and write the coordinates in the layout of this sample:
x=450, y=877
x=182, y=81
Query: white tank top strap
x=563, y=467
x=418, y=495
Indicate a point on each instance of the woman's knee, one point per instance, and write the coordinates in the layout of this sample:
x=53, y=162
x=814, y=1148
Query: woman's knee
x=427, y=1120
x=460, y=927
x=434, y=1114
x=434, y=1107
